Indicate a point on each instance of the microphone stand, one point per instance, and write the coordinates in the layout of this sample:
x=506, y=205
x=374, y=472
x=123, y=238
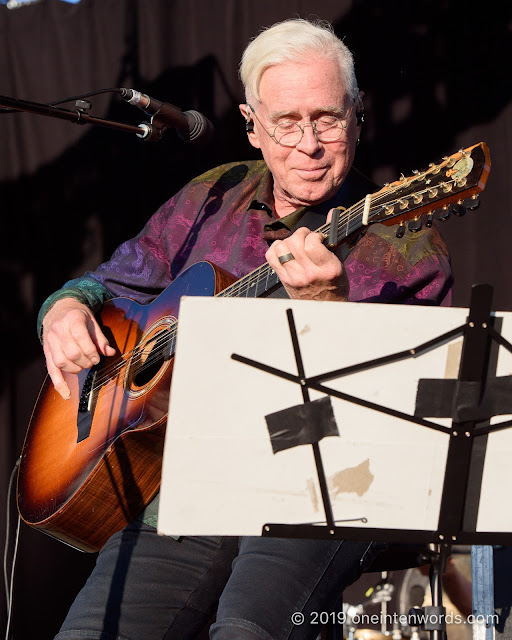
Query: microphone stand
x=144, y=131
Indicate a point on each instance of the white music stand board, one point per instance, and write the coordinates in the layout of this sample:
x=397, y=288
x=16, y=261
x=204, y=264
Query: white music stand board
x=248, y=371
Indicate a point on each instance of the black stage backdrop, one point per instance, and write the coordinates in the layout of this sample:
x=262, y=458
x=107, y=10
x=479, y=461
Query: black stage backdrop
x=436, y=77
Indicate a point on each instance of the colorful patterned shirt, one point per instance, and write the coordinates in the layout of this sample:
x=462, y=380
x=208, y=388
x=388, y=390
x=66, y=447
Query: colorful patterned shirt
x=226, y=216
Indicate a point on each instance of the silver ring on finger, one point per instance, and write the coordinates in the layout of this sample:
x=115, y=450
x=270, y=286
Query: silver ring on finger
x=286, y=258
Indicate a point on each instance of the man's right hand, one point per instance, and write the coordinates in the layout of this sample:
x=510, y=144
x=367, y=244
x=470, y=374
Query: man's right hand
x=72, y=341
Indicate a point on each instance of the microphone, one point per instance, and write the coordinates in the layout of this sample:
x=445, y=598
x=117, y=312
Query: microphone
x=191, y=126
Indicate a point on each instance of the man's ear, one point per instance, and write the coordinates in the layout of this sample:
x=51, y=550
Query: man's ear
x=249, y=125
x=360, y=109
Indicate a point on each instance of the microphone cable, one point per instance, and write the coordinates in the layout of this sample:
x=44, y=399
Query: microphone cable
x=9, y=577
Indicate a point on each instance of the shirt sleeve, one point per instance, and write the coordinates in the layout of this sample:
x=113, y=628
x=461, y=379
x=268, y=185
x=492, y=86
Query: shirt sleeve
x=138, y=269
x=86, y=290
x=415, y=269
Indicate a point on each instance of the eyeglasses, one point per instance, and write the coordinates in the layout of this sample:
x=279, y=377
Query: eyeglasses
x=326, y=129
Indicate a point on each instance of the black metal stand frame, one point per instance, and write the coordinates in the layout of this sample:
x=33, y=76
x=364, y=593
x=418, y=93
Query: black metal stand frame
x=471, y=409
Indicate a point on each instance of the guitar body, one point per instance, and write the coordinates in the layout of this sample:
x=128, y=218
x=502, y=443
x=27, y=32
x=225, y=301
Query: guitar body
x=90, y=464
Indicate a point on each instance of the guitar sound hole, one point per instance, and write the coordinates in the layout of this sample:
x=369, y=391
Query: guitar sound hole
x=148, y=362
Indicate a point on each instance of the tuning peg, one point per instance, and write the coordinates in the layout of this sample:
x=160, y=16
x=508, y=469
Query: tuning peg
x=445, y=214
x=414, y=225
x=458, y=209
x=472, y=203
x=401, y=230
x=434, y=168
x=430, y=220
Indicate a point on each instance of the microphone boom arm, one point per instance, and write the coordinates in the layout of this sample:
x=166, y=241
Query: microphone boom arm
x=144, y=131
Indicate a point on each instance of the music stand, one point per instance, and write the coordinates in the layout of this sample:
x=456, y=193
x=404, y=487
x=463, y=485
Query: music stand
x=470, y=401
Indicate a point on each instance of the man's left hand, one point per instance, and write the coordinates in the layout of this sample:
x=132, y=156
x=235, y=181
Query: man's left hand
x=313, y=273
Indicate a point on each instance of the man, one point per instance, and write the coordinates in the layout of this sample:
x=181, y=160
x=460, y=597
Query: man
x=304, y=111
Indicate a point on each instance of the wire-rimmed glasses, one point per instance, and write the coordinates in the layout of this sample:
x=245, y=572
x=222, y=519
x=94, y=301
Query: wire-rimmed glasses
x=326, y=129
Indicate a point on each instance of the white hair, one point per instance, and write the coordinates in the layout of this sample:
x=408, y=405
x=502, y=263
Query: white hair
x=289, y=41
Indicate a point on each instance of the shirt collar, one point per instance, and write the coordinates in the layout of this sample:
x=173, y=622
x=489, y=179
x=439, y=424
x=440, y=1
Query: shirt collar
x=264, y=200
x=264, y=195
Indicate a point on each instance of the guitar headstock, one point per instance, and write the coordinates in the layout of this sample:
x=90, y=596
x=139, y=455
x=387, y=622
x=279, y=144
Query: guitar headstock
x=452, y=185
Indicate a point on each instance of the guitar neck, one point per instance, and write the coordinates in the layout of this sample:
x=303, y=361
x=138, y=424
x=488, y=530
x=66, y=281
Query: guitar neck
x=264, y=280
x=456, y=180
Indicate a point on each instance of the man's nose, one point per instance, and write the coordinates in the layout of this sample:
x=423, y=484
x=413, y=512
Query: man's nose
x=309, y=142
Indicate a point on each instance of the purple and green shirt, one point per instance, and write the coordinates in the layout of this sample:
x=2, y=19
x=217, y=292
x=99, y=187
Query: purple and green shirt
x=226, y=216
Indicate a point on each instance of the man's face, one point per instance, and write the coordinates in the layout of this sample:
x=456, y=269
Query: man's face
x=303, y=91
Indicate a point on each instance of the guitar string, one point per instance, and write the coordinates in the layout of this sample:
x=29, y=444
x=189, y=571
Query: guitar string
x=156, y=343
x=355, y=211
x=168, y=335
x=247, y=281
x=345, y=219
x=350, y=215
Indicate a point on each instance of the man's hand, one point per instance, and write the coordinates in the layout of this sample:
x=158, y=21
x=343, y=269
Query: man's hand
x=72, y=341
x=314, y=272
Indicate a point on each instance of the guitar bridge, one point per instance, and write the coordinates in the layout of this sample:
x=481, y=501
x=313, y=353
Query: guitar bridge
x=84, y=416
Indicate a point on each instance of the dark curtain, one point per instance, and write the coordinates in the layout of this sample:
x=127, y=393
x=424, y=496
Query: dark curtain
x=436, y=79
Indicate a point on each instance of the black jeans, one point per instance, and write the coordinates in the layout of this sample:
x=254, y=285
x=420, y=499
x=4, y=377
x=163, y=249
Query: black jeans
x=151, y=587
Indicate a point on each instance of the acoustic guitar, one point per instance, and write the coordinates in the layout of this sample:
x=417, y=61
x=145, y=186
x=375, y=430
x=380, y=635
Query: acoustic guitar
x=89, y=465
